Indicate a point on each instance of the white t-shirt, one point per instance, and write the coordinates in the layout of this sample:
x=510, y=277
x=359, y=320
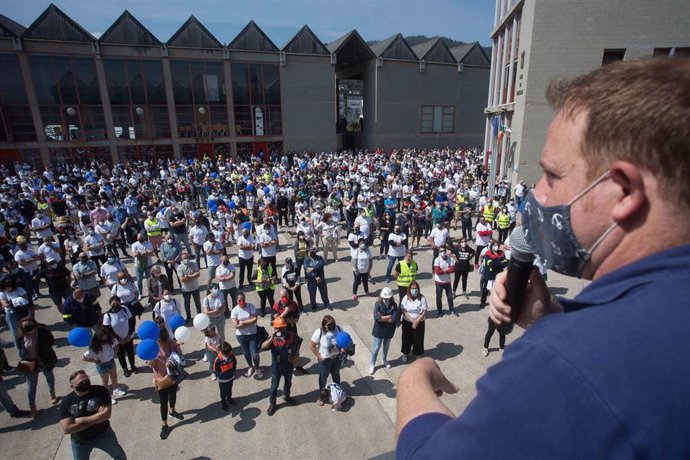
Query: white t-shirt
x=269, y=251
x=414, y=307
x=17, y=293
x=36, y=222
x=482, y=240
x=109, y=272
x=48, y=251
x=439, y=236
x=198, y=234
x=443, y=265
x=118, y=321
x=167, y=310
x=364, y=224
x=399, y=249
x=126, y=292
x=213, y=260
x=352, y=238
x=143, y=248
x=326, y=342
x=107, y=352
x=225, y=270
x=212, y=303
x=242, y=314
x=96, y=243
x=22, y=255
x=363, y=260
x=245, y=241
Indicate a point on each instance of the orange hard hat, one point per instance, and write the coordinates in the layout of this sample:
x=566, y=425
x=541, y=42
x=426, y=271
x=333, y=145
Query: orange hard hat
x=279, y=322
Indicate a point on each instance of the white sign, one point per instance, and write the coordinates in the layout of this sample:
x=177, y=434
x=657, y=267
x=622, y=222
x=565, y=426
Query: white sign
x=258, y=121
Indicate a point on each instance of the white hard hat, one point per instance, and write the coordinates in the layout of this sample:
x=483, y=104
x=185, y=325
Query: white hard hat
x=386, y=293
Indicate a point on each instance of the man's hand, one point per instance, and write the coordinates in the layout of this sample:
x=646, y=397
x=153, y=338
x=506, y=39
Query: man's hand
x=419, y=389
x=537, y=301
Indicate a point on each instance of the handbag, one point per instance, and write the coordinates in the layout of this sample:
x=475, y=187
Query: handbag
x=26, y=367
x=261, y=334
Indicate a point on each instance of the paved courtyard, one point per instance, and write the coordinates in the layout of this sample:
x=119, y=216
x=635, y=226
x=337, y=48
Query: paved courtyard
x=364, y=429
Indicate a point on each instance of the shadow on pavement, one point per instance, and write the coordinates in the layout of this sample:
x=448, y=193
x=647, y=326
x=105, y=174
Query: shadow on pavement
x=444, y=350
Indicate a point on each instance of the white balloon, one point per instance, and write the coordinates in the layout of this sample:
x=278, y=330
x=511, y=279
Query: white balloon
x=182, y=334
x=201, y=321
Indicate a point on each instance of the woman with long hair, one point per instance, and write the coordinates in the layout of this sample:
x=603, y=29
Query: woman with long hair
x=36, y=354
x=167, y=393
x=102, y=351
x=413, y=307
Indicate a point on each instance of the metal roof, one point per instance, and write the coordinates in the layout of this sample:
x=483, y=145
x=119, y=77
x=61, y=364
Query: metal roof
x=340, y=43
x=127, y=30
x=9, y=28
x=471, y=53
x=252, y=38
x=193, y=34
x=305, y=42
x=434, y=50
x=395, y=47
x=55, y=25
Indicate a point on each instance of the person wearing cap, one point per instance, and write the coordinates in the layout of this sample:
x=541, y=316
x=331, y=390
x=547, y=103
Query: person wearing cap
x=58, y=279
x=385, y=322
x=283, y=344
x=316, y=278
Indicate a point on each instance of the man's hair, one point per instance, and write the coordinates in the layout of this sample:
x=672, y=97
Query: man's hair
x=75, y=374
x=637, y=111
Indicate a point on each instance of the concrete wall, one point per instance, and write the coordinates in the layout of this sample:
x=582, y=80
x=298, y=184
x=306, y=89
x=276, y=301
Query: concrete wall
x=569, y=38
x=308, y=103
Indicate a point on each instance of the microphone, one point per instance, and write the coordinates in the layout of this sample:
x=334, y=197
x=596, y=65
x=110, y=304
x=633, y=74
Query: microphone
x=519, y=268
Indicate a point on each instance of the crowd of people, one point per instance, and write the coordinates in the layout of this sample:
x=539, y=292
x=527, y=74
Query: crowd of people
x=112, y=245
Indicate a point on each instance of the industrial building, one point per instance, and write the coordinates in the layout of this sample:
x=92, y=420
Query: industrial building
x=66, y=95
x=538, y=41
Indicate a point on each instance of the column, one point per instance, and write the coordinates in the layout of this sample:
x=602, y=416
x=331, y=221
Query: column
x=497, y=13
x=107, y=110
x=499, y=71
x=229, y=101
x=511, y=59
x=492, y=74
x=33, y=105
x=172, y=114
x=504, y=57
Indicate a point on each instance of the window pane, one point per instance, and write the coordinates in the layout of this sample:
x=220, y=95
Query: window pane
x=214, y=82
x=155, y=85
x=87, y=83
x=182, y=86
x=53, y=124
x=198, y=83
x=240, y=90
x=122, y=122
x=65, y=79
x=94, y=122
x=438, y=118
x=20, y=123
x=11, y=85
x=243, y=121
x=136, y=81
x=275, y=122
x=115, y=77
x=255, y=84
x=44, y=79
x=271, y=84
x=161, y=122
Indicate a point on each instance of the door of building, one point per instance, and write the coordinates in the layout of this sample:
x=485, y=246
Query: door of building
x=260, y=149
x=206, y=149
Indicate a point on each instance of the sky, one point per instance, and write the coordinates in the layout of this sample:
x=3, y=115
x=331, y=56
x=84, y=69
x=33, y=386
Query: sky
x=465, y=20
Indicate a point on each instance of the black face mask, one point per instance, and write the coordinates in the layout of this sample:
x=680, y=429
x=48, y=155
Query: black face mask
x=83, y=387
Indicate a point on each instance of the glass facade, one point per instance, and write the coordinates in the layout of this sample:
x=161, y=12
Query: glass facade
x=68, y=97
x=16, y=124
x=256, y=98
x=137, y=96
x=200, y=98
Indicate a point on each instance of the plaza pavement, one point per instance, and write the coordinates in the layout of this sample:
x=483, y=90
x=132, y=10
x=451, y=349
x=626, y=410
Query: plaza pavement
x=364, y=429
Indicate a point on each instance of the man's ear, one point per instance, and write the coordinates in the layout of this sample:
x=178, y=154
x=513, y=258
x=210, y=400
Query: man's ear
x=631, y=196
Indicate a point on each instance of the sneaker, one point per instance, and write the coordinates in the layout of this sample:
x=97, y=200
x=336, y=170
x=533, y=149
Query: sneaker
x=224, y=405
x=259, y=374
x=485, y=352
x=301, y=370
x=177, y=415
x=20, y=414
x=249, y=372
x=289, y=400
x=455, y=312
x=387, y=365
x=304, y=312
x=271, y=410
x=319, y=402
x=354, y=296
x=165, y=431
x=118, y=392
x=467, y=296
x=127, y=372
x=205, y=358
x=135, y=370
x=213, y=377
x=403, y=358
x=113, y=401
x=231, y=401
x=440, y=314
x=371, y=370
x=313, y=308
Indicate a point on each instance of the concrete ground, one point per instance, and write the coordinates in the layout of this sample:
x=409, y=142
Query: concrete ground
x=364, y=429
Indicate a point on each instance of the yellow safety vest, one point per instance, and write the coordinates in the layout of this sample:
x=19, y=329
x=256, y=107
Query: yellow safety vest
x=489, y=213
x=260, y=276
x=407, y=273
x=152, y=232
x=503, y=221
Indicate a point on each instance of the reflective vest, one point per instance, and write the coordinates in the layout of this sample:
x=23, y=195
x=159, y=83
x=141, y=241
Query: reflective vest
x=489, y=213
x=152, y=232
x=260, y=275
x=407, y=273
x=503, y=220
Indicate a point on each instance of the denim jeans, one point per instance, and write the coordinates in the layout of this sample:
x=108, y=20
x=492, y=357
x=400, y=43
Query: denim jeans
x=329, y=366
x=440, y=288
x=233, y=298
x=183, y=238
x=106, y=441
x=375, y=350
x=312, y=287
x=391, y=263
x=32, y=383
x=276, y=374
x=187, y=296
x=141, y=274
x=6, y=401
x=198, y=250
x=212, y=273
x=250, y=348
x=210, y=357
x=12, y=321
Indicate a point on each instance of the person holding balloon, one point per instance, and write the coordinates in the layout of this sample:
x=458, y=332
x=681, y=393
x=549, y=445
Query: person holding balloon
x=157, y=353
x=326, y=349
x=102, y=351
x=167, y=308
x=120, y=321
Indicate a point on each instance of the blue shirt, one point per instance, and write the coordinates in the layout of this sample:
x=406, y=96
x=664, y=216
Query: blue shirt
x=610, y=378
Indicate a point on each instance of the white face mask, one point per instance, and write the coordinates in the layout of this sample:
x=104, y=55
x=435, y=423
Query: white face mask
x=166, y=297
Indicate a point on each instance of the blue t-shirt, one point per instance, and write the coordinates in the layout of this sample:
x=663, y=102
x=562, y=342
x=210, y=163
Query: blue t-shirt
x=608, y=379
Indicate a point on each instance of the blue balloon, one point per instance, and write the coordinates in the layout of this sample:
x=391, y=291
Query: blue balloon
x=50, y=187
x=79, y=337
x=343, y=339
x=267, y=191
x=232, y=204
x=250, y=188
x=147, y=349
x=175, y=322
x=214, y=175
x=247, y=225
x=148, y=330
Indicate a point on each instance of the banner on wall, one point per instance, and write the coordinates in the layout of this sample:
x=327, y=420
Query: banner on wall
x=258, y=121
